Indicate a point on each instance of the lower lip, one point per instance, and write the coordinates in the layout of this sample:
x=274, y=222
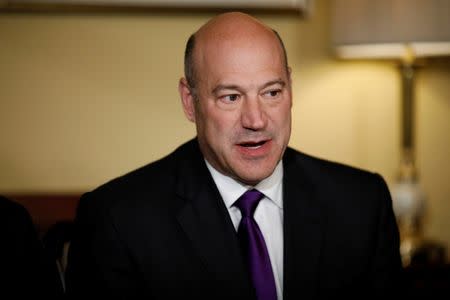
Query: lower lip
x=256, y=152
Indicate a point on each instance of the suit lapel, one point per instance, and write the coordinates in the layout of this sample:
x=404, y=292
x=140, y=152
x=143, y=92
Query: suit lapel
x=205, y=220
x=303, y=230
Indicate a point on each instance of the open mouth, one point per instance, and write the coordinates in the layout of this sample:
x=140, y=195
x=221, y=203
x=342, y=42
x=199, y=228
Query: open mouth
x=252, y=145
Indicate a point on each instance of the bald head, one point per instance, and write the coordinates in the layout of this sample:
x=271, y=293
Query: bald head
x=231, y=25
x=226, y=28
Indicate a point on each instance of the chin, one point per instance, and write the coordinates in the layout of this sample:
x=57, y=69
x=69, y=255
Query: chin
x=252, y=177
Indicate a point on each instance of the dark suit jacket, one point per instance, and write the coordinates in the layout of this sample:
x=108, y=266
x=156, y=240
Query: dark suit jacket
x=25, y=268
x=163, y=231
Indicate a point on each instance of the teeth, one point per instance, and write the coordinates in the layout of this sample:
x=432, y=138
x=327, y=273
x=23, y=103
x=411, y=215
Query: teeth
x=252, y=145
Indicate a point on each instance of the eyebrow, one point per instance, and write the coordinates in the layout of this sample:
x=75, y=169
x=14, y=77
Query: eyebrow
x=221, y=87
x=273, y=82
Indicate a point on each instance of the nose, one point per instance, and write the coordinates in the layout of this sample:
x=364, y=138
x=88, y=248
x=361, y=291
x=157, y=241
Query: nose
x=253, y=114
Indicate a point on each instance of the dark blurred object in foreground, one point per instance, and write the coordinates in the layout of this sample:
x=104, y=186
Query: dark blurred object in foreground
x=428, y=271
x=25, y=266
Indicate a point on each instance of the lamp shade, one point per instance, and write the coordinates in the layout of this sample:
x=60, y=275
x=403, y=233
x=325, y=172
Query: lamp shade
x=393, y=29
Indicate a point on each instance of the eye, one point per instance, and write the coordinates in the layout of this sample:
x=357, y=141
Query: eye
x=272, y=93
x=230, y=98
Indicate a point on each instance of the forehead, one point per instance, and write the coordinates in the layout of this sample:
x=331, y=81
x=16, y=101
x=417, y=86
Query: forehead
x=252, y=54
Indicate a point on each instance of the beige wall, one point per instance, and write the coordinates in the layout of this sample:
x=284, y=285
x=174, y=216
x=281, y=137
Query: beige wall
x=86, y=97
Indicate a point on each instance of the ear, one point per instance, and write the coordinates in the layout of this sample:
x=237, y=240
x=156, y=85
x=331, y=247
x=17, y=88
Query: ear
x=187, y=99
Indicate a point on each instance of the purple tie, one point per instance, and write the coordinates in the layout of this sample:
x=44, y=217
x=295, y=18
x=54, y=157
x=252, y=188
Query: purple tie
x=254, y=247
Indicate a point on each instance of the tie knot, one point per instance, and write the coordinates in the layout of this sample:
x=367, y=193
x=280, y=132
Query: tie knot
x=248, y=202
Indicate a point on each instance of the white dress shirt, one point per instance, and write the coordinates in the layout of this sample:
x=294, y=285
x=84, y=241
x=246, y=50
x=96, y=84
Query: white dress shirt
x=268, y=214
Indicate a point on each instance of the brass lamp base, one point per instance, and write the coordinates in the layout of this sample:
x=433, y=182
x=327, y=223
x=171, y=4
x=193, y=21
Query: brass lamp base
x=409, y=203
x=418, y=251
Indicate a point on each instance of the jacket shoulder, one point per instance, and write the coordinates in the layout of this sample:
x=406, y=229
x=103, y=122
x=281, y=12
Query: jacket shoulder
x=324, y=170
x=151, y=174
x=145, y=182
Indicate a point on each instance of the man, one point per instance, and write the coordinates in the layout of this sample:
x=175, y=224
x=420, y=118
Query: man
x=174, y=228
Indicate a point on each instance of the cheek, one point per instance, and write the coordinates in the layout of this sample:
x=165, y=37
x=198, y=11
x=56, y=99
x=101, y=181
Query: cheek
x=286, y=117
x=281, y=116
x=220, y=122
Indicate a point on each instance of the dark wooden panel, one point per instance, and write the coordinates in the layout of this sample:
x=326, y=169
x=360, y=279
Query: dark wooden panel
x=47, y=209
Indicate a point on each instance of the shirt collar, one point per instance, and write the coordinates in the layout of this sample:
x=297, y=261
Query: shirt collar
x=231, y=189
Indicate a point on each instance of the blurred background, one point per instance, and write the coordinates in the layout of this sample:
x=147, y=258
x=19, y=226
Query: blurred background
x=87, y=95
